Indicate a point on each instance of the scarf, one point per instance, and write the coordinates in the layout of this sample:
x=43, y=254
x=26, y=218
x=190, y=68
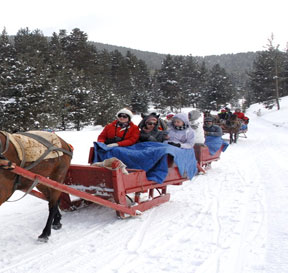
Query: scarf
x=122, y=125
x=181, y=127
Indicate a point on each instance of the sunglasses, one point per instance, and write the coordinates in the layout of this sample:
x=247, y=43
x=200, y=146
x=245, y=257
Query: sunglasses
x=122, y=116
x=151, y=123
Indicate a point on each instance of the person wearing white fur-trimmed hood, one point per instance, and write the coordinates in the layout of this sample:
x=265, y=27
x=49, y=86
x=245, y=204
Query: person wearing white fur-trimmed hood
x=180, y=133
x=120, y=132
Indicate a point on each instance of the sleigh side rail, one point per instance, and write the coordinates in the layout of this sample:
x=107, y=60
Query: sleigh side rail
x=69, y=190
x=203, y=156
x=108, y=183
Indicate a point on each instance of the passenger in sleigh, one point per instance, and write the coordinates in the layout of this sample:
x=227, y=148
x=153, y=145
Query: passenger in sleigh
x=152, y=156
x=120, y=132
x=168, y=119
x=245, y=120
x=211, y=129
x=149, y=129
x=224, y=115
x=196, y=121
x=213, y=136
x=180, y=133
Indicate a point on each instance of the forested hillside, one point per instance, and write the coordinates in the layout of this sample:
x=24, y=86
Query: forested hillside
x=152, y=59
x=237, y=64
x=65, y=81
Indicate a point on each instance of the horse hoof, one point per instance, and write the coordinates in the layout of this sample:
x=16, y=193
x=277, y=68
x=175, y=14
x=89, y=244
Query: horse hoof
x=57, y=226
x=43, y=239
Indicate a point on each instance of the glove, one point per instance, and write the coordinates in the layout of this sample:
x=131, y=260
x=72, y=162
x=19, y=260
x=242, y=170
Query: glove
x=113, y=145
x=175, y=144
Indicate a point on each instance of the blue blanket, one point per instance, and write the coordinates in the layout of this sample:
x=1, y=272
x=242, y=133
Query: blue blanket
x=150, y=157
x=244, y=127
x=214, y=144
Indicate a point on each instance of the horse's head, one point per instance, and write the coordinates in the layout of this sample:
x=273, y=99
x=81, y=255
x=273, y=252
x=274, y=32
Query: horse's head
x=234, y=123
x=8, y=158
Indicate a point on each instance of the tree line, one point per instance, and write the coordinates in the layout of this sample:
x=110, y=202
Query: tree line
x=268, y=79
x=65, y=82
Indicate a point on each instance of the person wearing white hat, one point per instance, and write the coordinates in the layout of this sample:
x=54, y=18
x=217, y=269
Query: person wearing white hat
x=120, y=132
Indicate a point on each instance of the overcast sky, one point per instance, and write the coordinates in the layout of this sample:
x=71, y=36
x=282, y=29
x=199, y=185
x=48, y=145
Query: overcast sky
x=178, y=27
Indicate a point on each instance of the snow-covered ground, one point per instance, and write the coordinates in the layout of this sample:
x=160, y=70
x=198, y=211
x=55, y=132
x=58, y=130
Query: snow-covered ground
x=233, y=219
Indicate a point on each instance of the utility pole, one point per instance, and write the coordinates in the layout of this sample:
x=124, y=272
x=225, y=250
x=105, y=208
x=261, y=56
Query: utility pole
x=276, y=77
x=275, y=52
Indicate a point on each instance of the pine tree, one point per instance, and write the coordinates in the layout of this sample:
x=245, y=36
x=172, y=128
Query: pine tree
x=264, y=78
x=220, y=89
x=32, y=47
x=24, y=93
x=77, y=50
x=72, y=71
x=267, y=79
x=202, y=93
x=167, y=85
x=189, y=81
x=7, y=64
x=139, y=81
x=120, y=77
x=8, y=71
x=284, y=76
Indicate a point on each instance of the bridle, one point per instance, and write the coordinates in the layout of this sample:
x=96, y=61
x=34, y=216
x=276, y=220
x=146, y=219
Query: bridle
x=3, y=151
x=6, y=146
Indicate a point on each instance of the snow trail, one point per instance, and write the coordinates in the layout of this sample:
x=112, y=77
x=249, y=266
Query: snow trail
x=233, y=219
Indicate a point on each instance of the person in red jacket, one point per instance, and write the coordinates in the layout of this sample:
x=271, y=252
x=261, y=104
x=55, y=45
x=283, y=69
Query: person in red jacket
x=120, y=132
x=241, y=115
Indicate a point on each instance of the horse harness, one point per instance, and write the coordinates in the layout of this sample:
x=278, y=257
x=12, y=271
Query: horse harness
x=50, y=148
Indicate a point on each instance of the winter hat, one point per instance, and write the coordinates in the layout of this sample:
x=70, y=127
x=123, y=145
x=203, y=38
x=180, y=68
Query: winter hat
x=183, y=117
x=125, y=111
x=208, y=119
x=194, y=114
x=170, y=115
x=151, y=118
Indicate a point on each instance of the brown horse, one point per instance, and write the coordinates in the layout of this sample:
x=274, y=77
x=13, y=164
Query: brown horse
x=54, y=167
x=232, y=127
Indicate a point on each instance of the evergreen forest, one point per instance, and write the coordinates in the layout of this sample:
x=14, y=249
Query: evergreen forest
x=66, y=82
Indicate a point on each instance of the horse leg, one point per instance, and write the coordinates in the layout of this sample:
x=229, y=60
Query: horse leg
x=47, y=229
x=236, y=137
x=56, y=221
x=231, y=138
